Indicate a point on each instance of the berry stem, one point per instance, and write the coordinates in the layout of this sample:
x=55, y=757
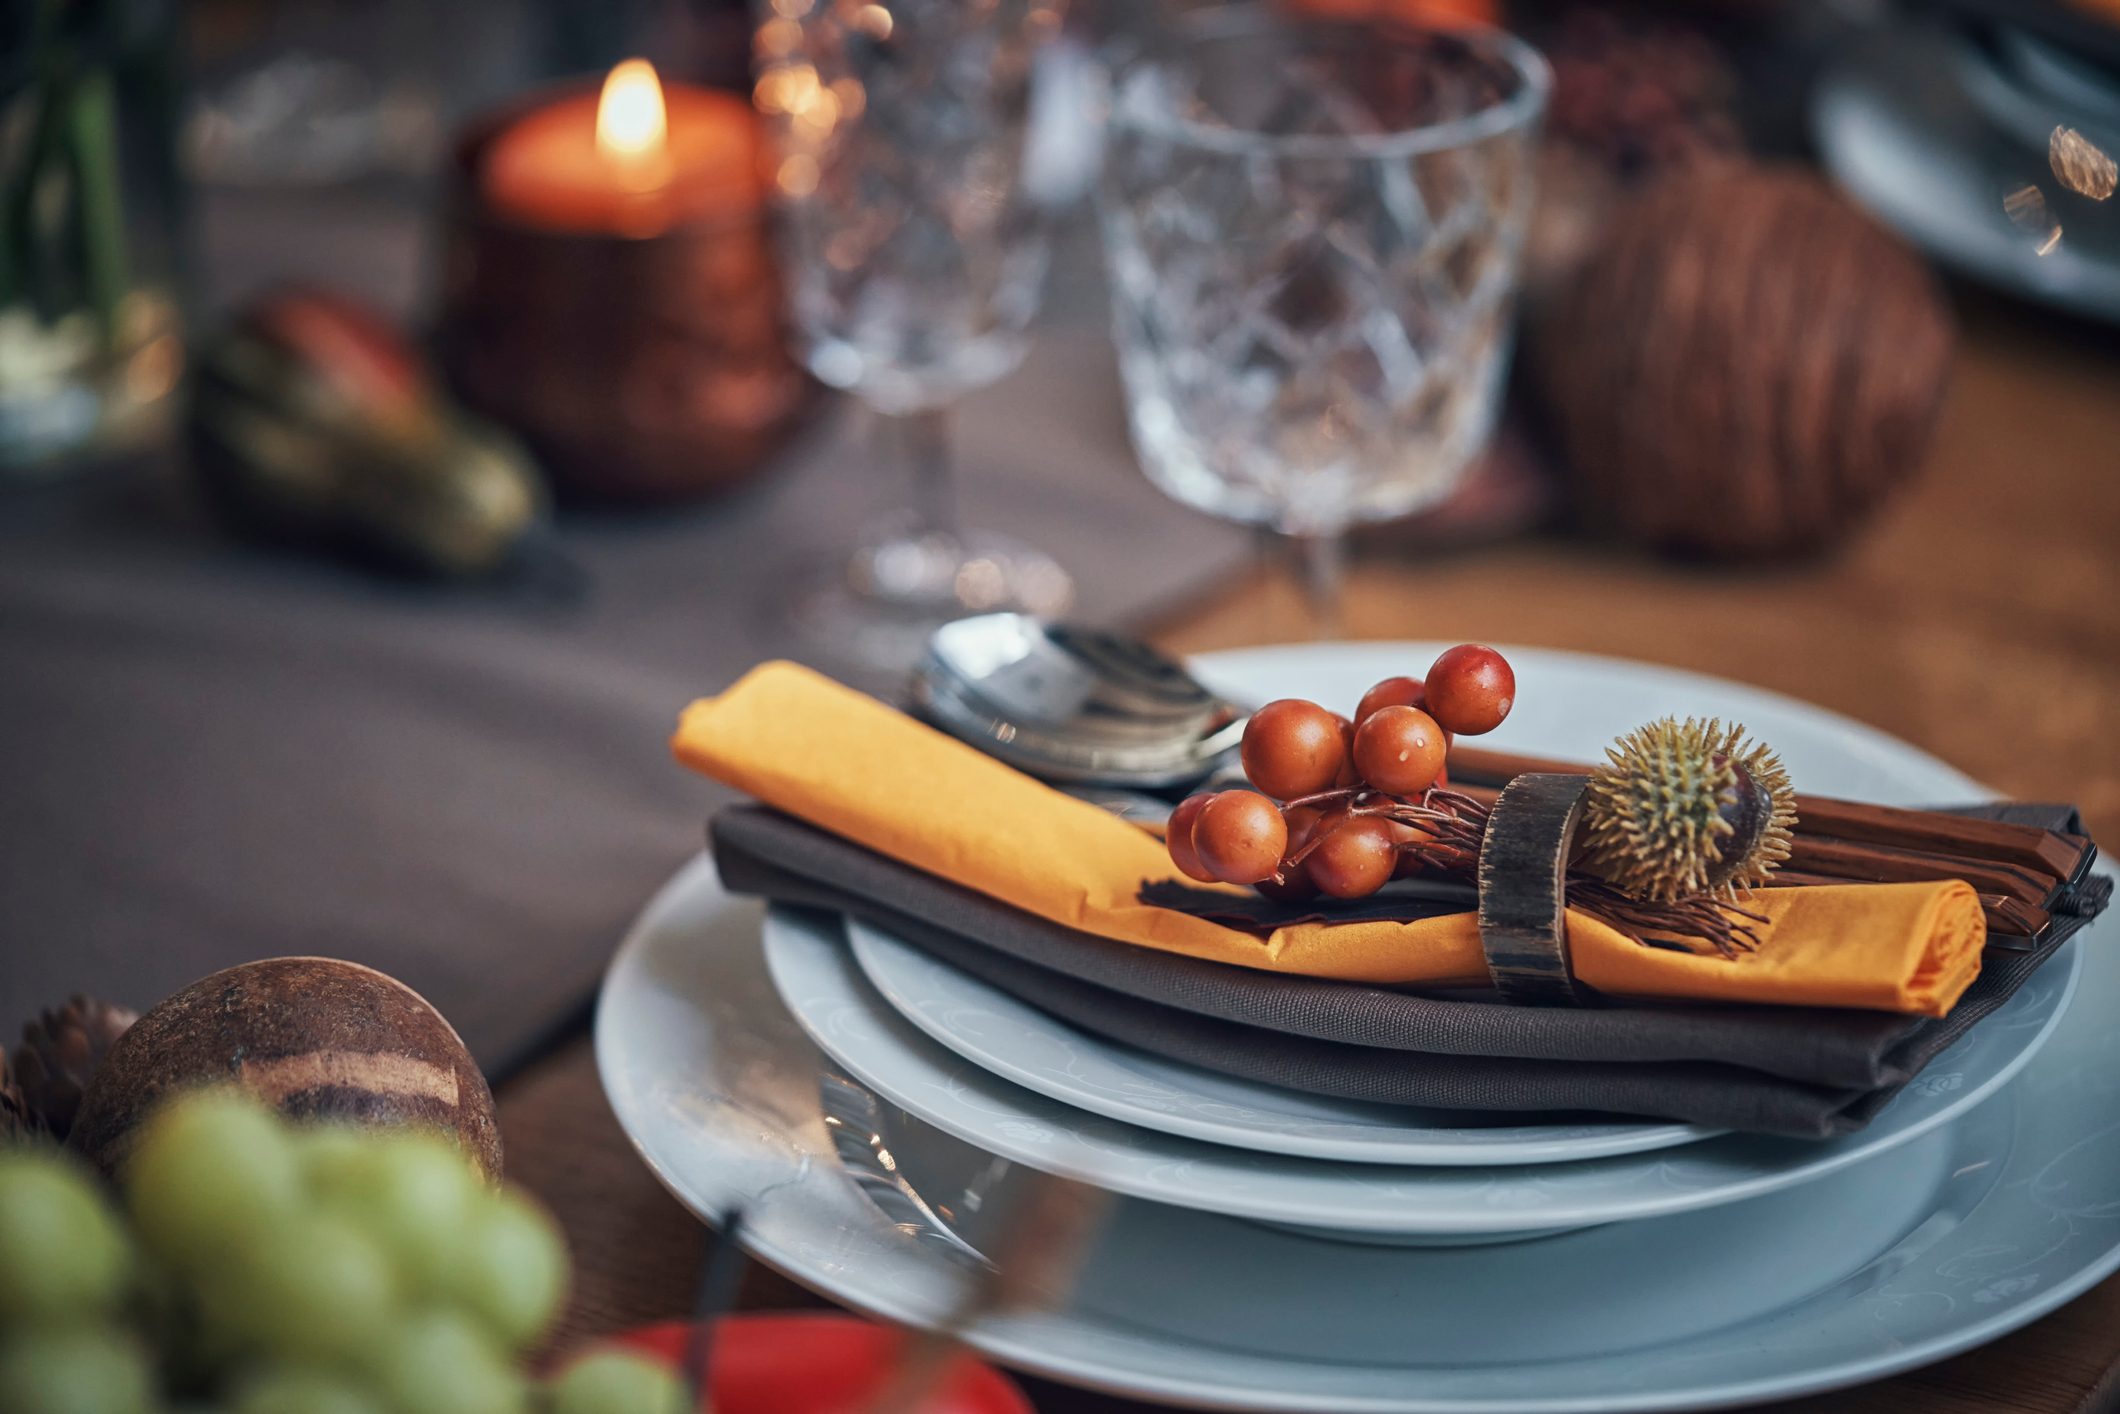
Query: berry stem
x=1324, y=797
x=1453, y=829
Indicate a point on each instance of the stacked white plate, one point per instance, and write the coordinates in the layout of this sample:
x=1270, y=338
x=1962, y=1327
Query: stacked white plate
x=1272, y=1250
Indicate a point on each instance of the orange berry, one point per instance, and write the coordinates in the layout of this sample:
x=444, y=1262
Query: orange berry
x=1240, y=836
x=1292, y=747
x=1399, y=750
x=1391, y=692
x=1178, y=837
x=1471, y=689
x=1355, y=860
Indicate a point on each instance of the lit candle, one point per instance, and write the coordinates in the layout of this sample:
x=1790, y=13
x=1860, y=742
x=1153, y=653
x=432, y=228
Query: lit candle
x=634, y=159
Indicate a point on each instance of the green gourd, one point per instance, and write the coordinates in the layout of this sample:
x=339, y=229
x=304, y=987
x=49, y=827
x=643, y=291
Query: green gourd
x=314, y=422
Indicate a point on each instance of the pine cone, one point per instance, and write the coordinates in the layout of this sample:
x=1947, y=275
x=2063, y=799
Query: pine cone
x=60, y=1053
x=16, y=1122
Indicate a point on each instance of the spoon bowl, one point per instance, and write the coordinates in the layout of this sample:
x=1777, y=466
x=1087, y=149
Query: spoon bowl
x=1074, y=705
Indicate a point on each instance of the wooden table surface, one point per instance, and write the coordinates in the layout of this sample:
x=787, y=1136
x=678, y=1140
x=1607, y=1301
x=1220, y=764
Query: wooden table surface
x=1978, y=618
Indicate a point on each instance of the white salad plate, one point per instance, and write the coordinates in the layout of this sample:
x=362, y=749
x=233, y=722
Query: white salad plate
x=822, y=987
x=1040, y=1052
x=1938, y=1245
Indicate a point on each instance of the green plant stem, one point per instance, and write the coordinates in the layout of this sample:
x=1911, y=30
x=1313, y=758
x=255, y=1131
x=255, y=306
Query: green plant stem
x=19, y=235
x=10, y=272
x=93, y=144
x=43, y=150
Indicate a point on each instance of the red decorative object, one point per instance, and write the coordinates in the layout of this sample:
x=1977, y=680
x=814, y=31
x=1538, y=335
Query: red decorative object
x=818, y=1362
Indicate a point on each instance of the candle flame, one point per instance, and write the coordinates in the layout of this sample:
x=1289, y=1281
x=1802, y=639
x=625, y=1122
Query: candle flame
x=630, y=120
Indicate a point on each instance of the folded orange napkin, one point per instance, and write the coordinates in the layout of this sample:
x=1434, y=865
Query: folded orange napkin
x=847, y=763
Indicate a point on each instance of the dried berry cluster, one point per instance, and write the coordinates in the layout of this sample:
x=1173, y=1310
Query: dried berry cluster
x=1344, y=804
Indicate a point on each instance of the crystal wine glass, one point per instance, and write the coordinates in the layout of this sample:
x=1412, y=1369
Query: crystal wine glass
x=914, y=261
x=1313, y=230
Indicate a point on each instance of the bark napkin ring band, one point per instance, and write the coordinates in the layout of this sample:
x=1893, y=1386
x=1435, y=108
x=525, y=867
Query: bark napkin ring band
x=1523, y=891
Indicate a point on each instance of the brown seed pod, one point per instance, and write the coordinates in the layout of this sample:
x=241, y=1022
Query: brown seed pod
x=316, y=1037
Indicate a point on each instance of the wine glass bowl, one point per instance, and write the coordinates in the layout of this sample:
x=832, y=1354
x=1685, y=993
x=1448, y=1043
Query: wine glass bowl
x=914, y=258
x=1313, y=230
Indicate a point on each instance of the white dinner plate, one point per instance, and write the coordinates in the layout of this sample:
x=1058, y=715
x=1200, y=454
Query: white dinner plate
x=1473, y=1302
x=717, y=1089
x=1040, y=1052
x=716, y=1086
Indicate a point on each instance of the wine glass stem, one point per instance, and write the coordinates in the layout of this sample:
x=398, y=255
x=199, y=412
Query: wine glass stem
x=1320, y=560
x=924, y=441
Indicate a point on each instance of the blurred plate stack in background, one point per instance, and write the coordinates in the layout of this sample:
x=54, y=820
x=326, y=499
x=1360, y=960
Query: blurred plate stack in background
x=1987, y=138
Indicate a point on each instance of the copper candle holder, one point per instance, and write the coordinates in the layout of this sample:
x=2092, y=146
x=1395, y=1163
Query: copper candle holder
x=639, y=368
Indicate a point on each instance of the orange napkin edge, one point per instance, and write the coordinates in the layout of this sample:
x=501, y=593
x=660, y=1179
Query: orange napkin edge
x=845, y=762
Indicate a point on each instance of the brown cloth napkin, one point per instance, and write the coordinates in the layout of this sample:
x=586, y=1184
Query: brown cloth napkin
x=1808, y=1072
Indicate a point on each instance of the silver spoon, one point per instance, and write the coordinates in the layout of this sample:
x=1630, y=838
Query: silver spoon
x=1074, y=705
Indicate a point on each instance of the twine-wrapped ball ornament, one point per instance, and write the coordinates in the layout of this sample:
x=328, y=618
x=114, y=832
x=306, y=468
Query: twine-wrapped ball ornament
x=317, y=1038
x=1743, y=367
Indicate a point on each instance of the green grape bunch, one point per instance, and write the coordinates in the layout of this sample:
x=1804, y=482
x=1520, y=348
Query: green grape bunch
x=248, y=1265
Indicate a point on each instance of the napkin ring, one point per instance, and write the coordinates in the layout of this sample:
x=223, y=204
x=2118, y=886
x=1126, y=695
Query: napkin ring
x=1523, y=889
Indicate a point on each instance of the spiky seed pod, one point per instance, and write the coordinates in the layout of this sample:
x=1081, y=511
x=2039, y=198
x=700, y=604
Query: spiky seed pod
x=1684, y=809
x=61, y=1052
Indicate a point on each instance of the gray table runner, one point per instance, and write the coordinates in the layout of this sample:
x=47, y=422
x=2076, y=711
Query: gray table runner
x=214, y=753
